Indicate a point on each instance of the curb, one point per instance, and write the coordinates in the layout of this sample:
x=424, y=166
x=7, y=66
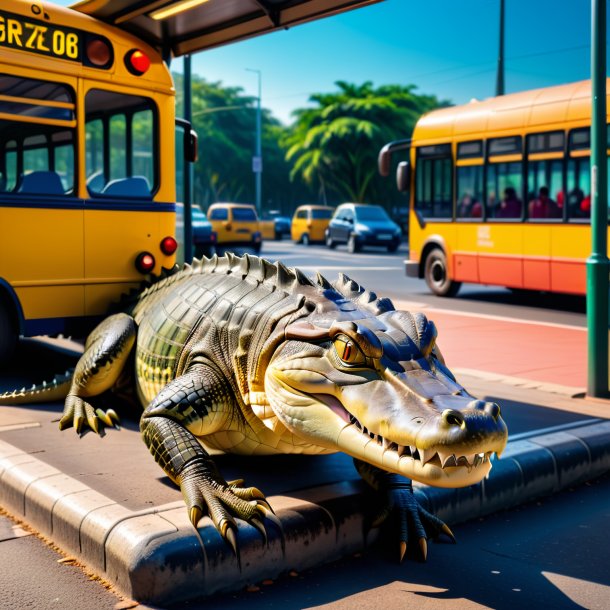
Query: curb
x=156, y=556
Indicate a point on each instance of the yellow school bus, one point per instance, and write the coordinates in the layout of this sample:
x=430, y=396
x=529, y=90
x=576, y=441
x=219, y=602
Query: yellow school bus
x=87, y=179
x=500, y=192
x=87, y=146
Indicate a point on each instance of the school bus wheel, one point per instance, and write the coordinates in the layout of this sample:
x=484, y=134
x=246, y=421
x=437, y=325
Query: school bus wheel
x=437, y=275
x=8, y=331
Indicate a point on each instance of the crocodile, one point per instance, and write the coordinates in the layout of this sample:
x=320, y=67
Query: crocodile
x=242, y=355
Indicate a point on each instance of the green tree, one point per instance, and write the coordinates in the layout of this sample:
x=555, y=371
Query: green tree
x=225, y=120
x=333, y=146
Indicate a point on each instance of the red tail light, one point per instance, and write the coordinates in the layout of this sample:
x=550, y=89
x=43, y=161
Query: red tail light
x=137, y=62
x=145, y=262
x=168, y=245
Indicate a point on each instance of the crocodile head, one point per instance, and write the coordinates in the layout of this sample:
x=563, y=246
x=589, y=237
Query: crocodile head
x=377, y=388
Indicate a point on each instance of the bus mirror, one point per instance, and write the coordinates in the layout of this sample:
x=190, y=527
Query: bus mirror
x=191, y=152
x=403, y=176
x=384, y=161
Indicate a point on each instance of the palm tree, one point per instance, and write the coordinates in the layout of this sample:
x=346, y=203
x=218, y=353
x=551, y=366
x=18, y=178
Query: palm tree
x=334, y=146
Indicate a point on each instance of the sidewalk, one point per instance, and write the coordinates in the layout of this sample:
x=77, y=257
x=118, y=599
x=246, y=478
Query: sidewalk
x=105, y=501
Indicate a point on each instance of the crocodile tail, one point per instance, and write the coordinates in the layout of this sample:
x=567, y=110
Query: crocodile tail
x=47, y=391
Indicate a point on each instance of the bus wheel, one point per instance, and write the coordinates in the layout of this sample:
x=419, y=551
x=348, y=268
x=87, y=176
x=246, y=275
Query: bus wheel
x=436, y=276
x=8, y=333
x=305, y=239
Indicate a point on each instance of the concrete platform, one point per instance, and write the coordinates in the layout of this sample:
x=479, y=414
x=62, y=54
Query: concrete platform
x=105, y=501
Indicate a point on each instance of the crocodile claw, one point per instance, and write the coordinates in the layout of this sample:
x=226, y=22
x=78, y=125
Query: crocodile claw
x=261, y=528
x=423, y=547
x=403, y=550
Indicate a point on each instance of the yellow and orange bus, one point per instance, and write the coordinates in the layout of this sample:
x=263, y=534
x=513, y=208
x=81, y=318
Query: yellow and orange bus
x=500, y=192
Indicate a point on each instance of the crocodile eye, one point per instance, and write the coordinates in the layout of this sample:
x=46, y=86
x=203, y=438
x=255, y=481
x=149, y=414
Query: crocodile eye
x=348, y=351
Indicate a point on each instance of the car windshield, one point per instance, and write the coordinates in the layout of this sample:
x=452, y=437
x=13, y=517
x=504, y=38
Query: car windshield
x=372, y=212
x=321, y=214
x=244, y=214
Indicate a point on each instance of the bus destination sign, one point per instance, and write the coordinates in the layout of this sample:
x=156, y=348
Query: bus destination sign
x=18, y=32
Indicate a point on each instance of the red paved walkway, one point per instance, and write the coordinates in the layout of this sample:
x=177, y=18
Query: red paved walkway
x=540, y=352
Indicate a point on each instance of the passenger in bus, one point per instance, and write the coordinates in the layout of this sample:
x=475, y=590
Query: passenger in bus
x=469, y=207
x=543, y=206
x=510, y=206
x=578, y=205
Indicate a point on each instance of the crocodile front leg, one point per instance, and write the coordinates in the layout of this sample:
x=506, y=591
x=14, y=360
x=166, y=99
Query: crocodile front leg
x=195, y=404
x=106, y=352
x=399, y=500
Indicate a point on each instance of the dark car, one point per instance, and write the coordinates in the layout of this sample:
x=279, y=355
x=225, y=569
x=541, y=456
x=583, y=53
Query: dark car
x=281, y=224
x=204, y=238
x=359, y=225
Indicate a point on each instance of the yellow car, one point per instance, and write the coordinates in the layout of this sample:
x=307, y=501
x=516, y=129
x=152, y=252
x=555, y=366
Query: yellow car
x=309, y=223
x=236, y=224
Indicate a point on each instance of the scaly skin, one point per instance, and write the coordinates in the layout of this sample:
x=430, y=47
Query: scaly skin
x=249, y=357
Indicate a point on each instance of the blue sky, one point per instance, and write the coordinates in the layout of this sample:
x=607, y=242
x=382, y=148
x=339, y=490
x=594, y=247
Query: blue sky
x=446, y=47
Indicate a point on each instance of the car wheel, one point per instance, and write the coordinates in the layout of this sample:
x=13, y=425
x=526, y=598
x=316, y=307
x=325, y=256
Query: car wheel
x=352, y=244
x=329, y=241
x=437, y=276
x=8, y=333
x=305, y=239
x=392, y=247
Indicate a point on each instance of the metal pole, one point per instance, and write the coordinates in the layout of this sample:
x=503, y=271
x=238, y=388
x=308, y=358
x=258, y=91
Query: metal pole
x=257, y=166
x=597, y=263
x=188, y=168
x=500, y=72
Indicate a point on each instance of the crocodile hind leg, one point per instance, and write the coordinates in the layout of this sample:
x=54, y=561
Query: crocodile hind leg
x=398, y=500
x=198, y=403
x=106, y=352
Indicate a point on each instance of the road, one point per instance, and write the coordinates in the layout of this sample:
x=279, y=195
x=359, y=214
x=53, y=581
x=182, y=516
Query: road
x=378, y=270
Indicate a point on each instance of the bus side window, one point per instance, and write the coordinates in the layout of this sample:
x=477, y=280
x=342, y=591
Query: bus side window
x=120, y=145
x=579, y=188
x=504, y=187
x=543, y=176
x=433, y=194
x=469, y=191
x=36, y=136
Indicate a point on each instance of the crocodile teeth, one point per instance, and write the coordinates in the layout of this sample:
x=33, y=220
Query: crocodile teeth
x=426, y=455
x=449, y=461
x=401, y=450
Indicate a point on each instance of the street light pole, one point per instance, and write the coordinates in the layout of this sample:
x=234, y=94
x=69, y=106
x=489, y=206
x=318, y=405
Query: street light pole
x=257, y=160
x=597, y=263
x=500, y=72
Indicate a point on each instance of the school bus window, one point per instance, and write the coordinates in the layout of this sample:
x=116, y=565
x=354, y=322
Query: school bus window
x=118, y=145
x=120, y=135
x=37, y=120
x=504, y=186
x=469, y=191
x=9, y=173
x=142, y=128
